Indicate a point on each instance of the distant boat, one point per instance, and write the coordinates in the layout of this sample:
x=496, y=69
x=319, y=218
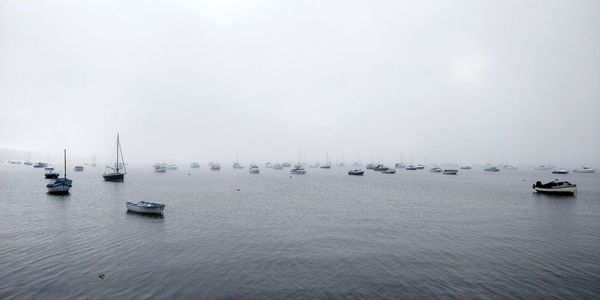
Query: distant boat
x=380, y=168
x=556, y=187
x=399, y=166
x=585, y=170
x=560, y=171
x=61, y=185
x=510, y=167
x=116, y=173
x=28, y=163
x=144, y=207
x=411, y=168
x=371, y=166
x=160, y=168
x=450, y=172
x=78, y=169
x=172, y=167
x=542, y=168
x=215, y=166
x=341, y=164
x=389, y=171
x=356, y=172
x=253, y=169
x=491, y=169
x=277, y=166
x=194, y=165
x=327, y=164
x=465, y=168
x=268, y=165
x=315, y=165
x=40, y=164
x=50, y=174
x=236, y=164
x=420, y=167
x=286, y=165
x=435, y=170
x=298, y=170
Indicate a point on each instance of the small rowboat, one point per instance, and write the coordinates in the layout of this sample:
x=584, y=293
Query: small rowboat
x=144, y=207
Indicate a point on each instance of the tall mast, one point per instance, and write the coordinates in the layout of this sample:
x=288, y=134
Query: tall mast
x=121, y=152
x=117, y=154
x=65, y=157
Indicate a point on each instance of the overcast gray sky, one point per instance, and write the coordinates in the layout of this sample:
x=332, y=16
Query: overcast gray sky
x=422, y=81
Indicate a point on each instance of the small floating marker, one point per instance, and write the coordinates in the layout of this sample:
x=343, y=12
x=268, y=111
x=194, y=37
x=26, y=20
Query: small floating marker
x=101, y=275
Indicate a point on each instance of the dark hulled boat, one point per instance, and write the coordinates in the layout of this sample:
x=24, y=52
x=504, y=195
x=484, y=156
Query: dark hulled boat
x=116, y=173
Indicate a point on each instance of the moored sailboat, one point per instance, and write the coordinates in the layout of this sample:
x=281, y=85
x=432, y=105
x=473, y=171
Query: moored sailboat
x=61, y=185
x=116, y=173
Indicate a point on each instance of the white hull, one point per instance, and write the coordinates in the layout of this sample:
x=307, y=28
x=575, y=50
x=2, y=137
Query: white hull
x=144, y=210
x=584, y=171
x=563, y=190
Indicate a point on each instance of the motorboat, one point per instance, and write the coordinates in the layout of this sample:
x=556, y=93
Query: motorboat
x=491, y=169
x=117, y=172
x=40, y=164
x=542, y=168
x=144, y=207
x=298, y=170
x=253, y=169
x=389, y=171
x=237, y=166
x=450, y=171
x=27, y=163
x=420, y=167
x=286, y=164
x=215, y=166
x=172, y=167
x=277, y=166
x=410, y=168
x=356, y=172
x=78, y=169
x=194, y=165
x=399, y=166
x=380, y=168
x=49, y=168
x=371, y=166
x=510, y=167
x=60, y=185
x=465, y=167
x=585, y=170
x=560, y=171
x=160, y=168
x=268, y=165
x=556, y=187
x=51, y=175
x=435, y=170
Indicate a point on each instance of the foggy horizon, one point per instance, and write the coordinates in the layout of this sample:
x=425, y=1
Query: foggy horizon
x=415, y=82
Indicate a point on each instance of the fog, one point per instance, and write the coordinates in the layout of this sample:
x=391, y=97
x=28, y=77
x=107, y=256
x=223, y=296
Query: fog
x=414, y=81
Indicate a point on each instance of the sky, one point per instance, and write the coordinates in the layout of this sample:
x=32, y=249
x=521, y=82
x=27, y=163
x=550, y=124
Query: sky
x=414, y=81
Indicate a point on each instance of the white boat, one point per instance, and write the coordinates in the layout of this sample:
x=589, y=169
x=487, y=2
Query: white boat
x=61, y=185
x=465, y=168
x=560, y=171
x=160, y=168
x=194, y=165
x=542, y=168
x=237, y=166
x=117, y=172
x=78, y=168
x=268, y=165
x=144, y=207
x=172, y=167
x=556, y=187
x=326, y=165
x=450, y=172
x=411, y=168
x=298, y=170
x=253, y=170
x=356, y=172
x=420, y=167
x=585, y=170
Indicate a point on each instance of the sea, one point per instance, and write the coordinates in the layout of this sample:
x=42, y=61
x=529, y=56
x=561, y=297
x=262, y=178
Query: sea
x=325, y=235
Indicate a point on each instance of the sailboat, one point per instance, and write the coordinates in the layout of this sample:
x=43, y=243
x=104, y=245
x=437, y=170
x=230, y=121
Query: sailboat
x=116, y=174
x=28, y=162
x=326, y=165
x=61, y=185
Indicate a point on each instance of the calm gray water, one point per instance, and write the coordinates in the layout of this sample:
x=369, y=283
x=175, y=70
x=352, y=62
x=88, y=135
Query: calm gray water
x=414, y=234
